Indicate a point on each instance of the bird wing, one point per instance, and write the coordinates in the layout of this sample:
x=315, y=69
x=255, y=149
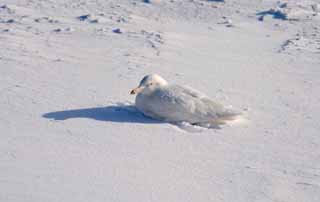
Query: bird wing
x=207, y=107
x=189, y=91
x=178, y=103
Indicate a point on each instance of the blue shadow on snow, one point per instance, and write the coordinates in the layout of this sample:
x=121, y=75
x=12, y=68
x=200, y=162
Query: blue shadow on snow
x=114, y=113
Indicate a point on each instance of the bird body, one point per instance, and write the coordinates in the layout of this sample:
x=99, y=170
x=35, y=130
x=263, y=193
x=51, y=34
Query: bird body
x=174, y=103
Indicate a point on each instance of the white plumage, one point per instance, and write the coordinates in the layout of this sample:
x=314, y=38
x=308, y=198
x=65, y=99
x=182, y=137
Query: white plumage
x=174, y=103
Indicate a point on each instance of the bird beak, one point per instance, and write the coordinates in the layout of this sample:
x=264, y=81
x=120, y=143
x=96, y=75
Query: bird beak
x=135, y=91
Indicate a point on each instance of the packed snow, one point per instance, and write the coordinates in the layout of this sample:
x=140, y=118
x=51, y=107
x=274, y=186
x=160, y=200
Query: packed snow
x=70, y=130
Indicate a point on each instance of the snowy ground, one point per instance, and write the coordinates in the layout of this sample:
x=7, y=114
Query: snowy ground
x=69, y=132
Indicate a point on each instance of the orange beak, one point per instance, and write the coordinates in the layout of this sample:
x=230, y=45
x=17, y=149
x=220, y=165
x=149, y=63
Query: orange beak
x=135, y=91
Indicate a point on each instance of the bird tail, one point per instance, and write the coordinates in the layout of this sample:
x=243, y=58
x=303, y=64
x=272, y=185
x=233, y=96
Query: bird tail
x=231, y=116
x=238, y=118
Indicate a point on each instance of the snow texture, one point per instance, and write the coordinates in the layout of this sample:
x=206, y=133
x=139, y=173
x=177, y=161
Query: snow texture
x=70, y=131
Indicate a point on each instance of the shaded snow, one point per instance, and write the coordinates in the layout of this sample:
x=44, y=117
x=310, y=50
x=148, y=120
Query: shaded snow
x=65, y=138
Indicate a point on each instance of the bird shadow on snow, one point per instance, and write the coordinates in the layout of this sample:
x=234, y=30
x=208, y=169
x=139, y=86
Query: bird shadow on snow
x=121, y=113
x=113, y=113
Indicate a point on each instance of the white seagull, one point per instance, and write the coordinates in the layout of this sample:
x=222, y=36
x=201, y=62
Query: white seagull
x=174, y=103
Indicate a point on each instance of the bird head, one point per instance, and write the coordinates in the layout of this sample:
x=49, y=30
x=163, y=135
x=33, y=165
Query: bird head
x=149, y=82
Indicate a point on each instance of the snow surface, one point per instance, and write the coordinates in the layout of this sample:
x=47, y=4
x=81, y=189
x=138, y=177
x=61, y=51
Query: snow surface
x=69, y=131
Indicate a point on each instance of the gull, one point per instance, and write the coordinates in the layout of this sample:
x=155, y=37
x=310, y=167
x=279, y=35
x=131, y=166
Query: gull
x=159, y=100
